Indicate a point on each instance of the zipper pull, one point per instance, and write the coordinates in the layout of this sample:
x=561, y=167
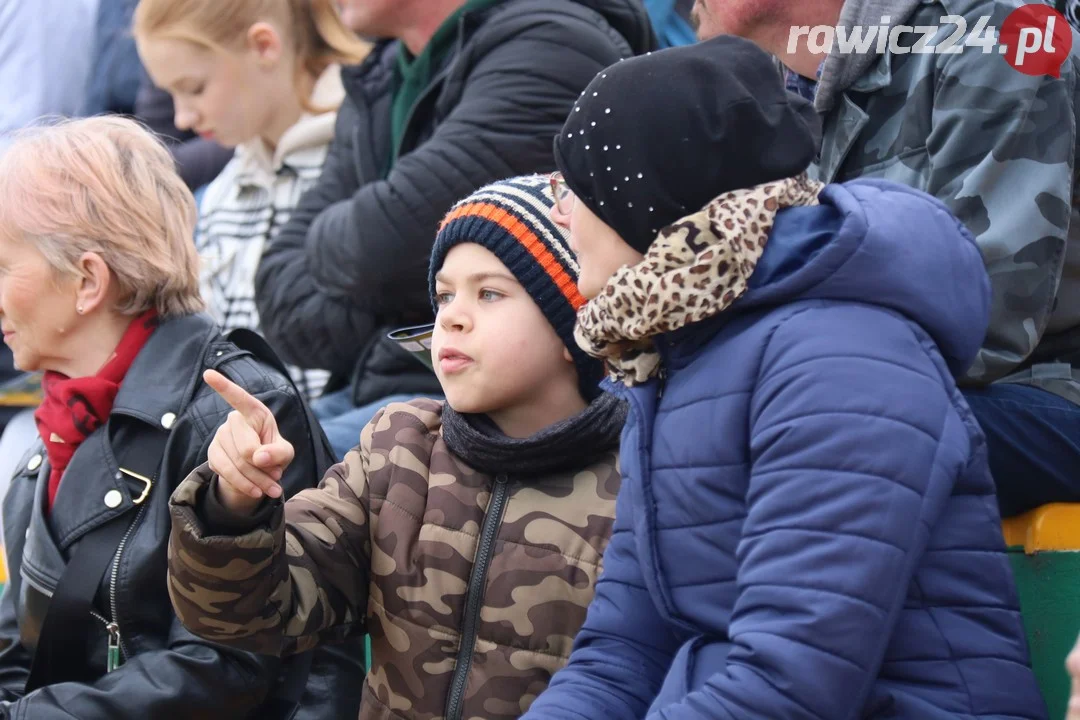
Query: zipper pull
x=114, y=647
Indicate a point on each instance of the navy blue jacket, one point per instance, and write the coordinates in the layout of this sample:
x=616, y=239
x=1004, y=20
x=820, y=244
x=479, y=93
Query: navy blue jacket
x=807, y=527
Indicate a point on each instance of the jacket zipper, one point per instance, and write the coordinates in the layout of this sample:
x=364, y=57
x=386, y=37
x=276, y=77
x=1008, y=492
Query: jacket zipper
x=485, y=549
x=113, y=660
x=117, y=648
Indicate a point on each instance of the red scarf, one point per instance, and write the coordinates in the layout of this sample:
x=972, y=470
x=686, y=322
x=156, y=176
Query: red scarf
x=73, y=408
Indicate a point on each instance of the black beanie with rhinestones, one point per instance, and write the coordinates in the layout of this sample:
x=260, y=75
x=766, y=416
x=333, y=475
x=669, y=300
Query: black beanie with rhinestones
x=657, y=137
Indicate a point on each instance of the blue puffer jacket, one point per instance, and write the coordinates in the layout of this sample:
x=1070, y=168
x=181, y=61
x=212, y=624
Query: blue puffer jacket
x=807, y=526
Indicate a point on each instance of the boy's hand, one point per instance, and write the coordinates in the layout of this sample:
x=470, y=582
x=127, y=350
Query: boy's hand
x=248, y=452
x=1072, y=664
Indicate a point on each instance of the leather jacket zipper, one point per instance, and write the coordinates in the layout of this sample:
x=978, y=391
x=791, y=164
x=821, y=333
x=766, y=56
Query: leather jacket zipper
x=113, y=658
x=474, y=600
x=117, y=650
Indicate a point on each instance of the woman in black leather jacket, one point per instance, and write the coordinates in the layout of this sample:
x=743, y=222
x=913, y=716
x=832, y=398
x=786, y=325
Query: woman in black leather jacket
x=99, y=289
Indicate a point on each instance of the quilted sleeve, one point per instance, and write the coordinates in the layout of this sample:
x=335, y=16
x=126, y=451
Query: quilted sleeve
x=284, y=587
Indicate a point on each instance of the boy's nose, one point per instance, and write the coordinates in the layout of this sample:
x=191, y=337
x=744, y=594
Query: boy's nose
x=452, y=317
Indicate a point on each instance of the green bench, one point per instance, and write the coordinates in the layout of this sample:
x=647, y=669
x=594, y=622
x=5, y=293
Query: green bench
x=1044, y=549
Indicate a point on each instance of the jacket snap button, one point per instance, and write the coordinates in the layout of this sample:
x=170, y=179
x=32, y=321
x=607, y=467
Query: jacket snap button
x=167, y=420
x=113, y=498
x=35, y=463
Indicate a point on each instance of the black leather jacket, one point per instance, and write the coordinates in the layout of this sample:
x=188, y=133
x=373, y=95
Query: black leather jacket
x=166, y=672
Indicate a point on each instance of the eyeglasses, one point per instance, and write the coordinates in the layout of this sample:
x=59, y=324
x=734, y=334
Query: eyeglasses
x=564, y=196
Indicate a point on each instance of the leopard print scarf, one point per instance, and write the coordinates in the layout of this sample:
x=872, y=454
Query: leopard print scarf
x=695, y=269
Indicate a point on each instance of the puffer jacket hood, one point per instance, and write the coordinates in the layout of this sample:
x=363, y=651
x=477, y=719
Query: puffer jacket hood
x=841, y=70
x=935, y=275
x=629, y=19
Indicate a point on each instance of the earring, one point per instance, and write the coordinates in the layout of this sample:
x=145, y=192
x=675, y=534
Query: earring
x=79, y=309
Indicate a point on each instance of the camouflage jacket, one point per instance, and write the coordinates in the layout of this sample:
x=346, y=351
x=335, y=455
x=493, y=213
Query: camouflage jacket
x=472, y=587
x=998, y=147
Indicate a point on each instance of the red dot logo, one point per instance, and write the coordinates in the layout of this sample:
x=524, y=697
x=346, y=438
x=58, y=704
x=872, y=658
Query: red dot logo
x=1036, y=39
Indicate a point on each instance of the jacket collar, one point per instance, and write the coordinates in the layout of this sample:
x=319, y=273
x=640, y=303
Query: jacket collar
x=374, y=76
x=156, y=389
x=861, y=72
x=845, y=120
x=678, y=347
x=171, y=363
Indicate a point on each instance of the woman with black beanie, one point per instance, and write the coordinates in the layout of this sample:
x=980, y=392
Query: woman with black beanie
x=807, y=526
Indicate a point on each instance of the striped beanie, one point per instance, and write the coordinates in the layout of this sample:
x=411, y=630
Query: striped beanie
x=511, y=218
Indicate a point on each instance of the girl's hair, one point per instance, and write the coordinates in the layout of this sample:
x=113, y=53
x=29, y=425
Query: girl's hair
x=105, y=185
x=319, y=35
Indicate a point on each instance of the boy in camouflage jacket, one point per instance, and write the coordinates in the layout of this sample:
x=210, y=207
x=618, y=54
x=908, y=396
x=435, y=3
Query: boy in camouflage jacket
x=466, y=538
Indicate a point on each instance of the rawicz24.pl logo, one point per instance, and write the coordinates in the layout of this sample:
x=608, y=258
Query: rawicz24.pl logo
x=1035, y=39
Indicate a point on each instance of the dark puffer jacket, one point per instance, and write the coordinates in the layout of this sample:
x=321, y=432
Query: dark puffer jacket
x=352, y=260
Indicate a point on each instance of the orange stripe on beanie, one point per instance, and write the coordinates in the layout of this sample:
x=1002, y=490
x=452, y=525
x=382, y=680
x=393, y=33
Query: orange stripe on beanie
x=529, y=240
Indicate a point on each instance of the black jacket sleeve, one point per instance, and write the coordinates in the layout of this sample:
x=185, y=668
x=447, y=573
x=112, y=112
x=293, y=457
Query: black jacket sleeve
x=190, y=678
x=352, y=254
x=14, y=659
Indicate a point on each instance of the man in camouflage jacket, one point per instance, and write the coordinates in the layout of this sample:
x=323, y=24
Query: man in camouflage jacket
x=999, y=148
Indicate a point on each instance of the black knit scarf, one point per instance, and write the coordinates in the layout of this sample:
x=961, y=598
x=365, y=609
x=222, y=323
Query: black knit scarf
x=572, y=443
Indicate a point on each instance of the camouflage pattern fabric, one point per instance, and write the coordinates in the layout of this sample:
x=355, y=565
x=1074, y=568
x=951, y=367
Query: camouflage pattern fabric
x=999, y=148
x=387, y=544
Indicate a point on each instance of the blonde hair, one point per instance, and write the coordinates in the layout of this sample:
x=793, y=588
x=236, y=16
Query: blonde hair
x=105, y=185
x=319, y=35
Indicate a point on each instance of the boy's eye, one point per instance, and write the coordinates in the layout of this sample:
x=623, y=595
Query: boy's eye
x=490, y=295
x=443, y=298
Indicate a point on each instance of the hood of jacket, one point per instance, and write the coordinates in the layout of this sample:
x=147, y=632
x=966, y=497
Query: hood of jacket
x=875, y=242
x=842, y=70
x=628, y=18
